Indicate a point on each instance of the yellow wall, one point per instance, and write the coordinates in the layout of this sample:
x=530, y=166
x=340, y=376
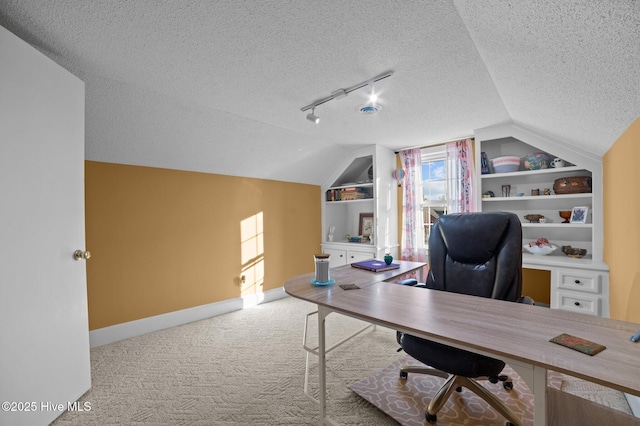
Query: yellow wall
x=536, y=284
x=621, y=199
x=164, y=240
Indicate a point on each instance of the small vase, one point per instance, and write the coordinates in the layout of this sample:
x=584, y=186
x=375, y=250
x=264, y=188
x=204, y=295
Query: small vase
x=388, y=259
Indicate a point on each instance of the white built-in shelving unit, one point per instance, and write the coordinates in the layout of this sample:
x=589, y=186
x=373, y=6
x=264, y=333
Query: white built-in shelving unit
x=580, y=285
x=368, y=172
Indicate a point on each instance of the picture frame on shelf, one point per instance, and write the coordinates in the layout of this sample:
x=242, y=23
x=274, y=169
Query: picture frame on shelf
x=579, y=214
x=365, y=228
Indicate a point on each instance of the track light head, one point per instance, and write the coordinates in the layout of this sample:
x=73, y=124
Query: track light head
x=373, y=98
x=313, y=117
x=370, y=108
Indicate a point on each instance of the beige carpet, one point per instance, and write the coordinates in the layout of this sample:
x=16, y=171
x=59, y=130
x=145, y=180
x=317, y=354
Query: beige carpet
x=243, y=368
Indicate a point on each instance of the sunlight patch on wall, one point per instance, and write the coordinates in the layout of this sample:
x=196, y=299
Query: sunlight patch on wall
x=252, y=259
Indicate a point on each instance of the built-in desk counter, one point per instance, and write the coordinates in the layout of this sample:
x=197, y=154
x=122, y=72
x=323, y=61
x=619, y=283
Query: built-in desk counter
x=577, y=285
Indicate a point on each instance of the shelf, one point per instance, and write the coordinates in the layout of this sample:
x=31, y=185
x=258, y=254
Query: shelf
x=533, y=172
x=558, y=258
x=526, y=182
x=585, y=195
x=348, y=244
x=556, y=225
x=354, y=185
x=350, y=192
x=361, y=200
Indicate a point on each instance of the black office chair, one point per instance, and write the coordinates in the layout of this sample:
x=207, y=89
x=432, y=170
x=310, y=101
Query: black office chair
x=478, y=254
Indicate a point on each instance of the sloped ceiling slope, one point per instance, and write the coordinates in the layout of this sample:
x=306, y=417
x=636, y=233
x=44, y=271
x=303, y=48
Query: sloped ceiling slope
x=569, y=69
x=217, y=86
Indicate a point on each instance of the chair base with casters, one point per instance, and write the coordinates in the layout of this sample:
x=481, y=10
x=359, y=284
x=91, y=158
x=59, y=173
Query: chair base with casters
x=456, y=383
x=466, y=376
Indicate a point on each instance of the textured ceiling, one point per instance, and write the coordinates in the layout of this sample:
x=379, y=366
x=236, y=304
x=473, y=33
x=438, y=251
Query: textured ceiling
x=217, y=86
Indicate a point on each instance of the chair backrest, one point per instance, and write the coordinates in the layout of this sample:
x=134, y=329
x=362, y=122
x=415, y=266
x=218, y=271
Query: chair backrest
x=478, y=254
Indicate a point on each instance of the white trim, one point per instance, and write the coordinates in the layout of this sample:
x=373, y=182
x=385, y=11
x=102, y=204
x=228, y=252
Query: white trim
x=114, y=333
x=634, y=403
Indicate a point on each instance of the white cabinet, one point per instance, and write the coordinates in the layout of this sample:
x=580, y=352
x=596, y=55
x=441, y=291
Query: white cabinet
x=344, y=256
x=337, y=257
x=579, y=285
x=361, y=187
x=580, y=290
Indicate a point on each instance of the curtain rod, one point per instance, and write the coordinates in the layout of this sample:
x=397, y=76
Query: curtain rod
x=437, y=144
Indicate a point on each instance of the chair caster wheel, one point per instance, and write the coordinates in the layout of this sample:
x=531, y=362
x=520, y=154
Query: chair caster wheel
x=508, y=385
x=404, y=375
x=431, y=418
x=510, y=424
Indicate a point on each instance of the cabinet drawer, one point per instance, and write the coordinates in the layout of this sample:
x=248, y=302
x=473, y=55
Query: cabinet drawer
x=580, y=281
x=336, y=257
x=359, y=256
x=577, y=302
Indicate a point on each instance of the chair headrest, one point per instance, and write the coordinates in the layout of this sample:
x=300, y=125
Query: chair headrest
x=473, y=238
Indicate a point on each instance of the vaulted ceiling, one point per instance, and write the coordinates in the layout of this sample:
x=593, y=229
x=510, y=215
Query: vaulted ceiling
x=217, y=86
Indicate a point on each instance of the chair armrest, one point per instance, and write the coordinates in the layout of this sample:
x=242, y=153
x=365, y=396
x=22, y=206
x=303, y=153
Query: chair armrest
x=526, y=300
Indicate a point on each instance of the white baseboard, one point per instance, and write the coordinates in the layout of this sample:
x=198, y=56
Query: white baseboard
x=634, y=403
x=114, y=333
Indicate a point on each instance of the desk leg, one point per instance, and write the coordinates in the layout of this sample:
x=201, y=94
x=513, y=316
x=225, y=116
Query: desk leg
x=539, y=396
x=536, y=378
x=322, y=363
x=322, y=367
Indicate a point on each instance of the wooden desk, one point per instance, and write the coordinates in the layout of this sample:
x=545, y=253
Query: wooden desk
x=516, y=333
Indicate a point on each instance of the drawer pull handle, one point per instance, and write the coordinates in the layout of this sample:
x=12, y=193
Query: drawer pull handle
x=577, y=303
x=577, y=281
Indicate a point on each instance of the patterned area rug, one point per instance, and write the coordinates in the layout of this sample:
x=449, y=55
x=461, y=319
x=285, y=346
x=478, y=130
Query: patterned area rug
x=406, y=400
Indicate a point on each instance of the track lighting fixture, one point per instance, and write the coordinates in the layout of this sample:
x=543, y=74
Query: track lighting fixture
x=371, y=107
x=373, y=98
x=313, y=117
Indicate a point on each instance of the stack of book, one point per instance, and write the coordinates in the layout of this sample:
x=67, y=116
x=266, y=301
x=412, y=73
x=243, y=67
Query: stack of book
x=351, y=194
x=346, y=194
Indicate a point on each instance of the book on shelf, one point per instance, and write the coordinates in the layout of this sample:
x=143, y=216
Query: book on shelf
x=347, y=194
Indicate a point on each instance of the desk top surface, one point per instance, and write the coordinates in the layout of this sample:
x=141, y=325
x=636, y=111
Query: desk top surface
x=503, y=329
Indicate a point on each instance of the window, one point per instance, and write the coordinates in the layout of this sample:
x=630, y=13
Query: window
x=434, y=186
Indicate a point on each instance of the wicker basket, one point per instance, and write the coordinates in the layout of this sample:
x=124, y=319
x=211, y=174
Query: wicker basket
x=572, y=185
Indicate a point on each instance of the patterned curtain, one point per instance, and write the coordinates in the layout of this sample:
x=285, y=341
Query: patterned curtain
x=461, y=196
x=413, y=246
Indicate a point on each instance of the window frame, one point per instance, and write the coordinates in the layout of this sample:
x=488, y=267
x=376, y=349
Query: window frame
x=428, y=155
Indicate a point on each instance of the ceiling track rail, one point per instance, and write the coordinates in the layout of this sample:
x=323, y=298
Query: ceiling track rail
x=340, y=93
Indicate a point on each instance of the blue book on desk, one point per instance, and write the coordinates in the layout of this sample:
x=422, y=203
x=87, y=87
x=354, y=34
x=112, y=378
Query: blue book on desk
x=375, y=265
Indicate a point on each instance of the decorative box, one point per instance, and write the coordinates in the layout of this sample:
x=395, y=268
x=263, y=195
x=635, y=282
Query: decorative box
x=572, y=185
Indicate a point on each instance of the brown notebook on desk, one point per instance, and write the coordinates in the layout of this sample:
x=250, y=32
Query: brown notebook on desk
x=578, y=344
